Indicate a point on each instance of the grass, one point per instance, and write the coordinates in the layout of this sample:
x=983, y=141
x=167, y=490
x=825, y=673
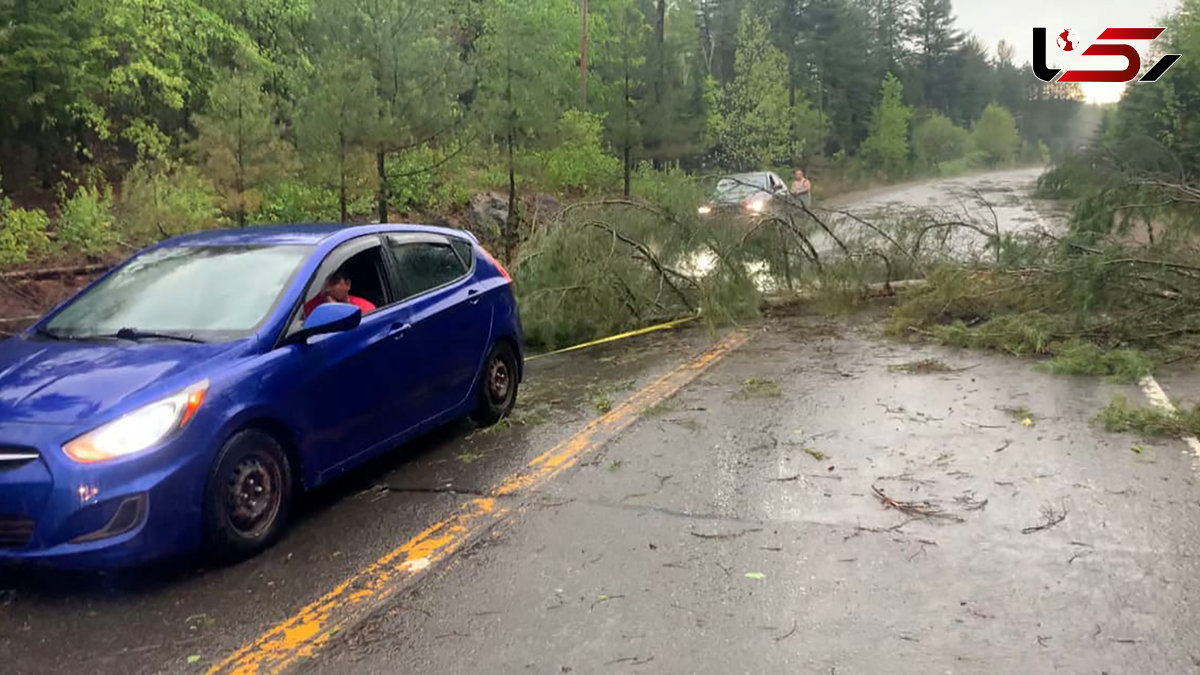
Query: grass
x=759, y=388
x=615, y=465
x=1122, y=416
x=602, y=402
x=922, y=367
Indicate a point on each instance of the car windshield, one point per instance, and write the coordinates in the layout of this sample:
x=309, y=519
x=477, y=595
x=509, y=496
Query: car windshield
x=738, y=188
x=206, y=292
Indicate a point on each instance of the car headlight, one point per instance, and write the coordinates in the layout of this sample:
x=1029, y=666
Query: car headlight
x=139, y=429
x=704, y=210
x=756, y=205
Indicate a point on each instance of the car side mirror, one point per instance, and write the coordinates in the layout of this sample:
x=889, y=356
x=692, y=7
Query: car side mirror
x=329, y=317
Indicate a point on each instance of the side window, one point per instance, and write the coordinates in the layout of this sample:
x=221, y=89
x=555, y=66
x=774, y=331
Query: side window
x=423, y=265
x=352, y=273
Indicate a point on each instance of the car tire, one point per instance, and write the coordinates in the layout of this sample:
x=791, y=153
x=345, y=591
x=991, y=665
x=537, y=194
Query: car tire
x=497, y=386
x=248, y=496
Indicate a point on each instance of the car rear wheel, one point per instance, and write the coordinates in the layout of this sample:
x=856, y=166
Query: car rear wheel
x=248, y=496
x=498, y=388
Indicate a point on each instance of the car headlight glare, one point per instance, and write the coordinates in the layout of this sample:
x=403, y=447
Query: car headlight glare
x=139, y=429
x=756, y=205
x=704, y=210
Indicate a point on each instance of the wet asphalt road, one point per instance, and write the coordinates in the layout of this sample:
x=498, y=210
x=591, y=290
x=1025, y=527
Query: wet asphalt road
x=734, y=528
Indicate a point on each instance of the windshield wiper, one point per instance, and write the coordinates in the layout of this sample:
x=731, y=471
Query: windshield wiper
x=47, y=333
x=137, y=334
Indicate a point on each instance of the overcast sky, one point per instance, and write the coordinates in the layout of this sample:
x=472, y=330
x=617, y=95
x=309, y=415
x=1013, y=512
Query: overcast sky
x=1013, y=20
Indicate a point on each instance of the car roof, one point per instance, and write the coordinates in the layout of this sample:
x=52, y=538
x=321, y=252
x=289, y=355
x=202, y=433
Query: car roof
x=297, y=234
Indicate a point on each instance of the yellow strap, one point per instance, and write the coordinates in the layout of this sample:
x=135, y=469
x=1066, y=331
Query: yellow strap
x=614, y=338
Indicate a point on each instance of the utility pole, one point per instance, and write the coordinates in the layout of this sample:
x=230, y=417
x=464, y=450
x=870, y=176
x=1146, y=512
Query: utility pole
x=583, y=45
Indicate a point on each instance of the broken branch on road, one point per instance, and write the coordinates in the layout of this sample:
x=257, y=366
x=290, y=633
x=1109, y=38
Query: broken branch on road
x=1050, y=517
x=724, y=535
x=923, y=509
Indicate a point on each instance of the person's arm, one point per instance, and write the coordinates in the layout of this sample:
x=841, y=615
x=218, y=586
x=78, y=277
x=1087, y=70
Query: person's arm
x=312, y=304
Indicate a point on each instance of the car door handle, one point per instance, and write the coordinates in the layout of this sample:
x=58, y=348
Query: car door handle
x=398, y=330
x=473, y=296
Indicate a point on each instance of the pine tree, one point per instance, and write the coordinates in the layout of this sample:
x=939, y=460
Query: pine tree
x=526, y=70
x=240, y=144
x=620, y=66
x=935, y=39
x=335, y=127
x=755, y=104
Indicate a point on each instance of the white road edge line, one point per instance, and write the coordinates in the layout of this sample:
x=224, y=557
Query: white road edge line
x=1154, y=391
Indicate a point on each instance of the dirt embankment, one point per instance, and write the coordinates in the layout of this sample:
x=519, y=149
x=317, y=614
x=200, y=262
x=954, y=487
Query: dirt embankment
x=23, y=300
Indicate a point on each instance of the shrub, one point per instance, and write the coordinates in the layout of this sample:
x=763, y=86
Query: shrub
x=428, y=179
x=86, y=223
x=22, y=233
x=579, y=162
x=937, y=141
x=157, y=202
x=294, y=201
x=996, y=134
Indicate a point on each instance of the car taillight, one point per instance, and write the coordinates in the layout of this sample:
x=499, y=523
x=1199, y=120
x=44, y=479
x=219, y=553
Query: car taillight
x=492, y=259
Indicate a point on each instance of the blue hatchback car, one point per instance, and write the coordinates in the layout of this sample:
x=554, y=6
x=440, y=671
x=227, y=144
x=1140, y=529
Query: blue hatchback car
x=181, y=401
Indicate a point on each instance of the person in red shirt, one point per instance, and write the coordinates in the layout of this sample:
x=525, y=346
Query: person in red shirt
x=337, y=289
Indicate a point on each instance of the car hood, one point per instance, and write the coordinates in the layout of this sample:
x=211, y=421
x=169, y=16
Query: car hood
x=71, y=382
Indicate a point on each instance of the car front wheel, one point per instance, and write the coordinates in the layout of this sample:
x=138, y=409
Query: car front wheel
x=248, y=496
x=498, y=388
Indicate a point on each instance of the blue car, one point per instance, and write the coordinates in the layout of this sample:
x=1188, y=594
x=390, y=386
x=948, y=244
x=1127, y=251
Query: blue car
x=181, y=402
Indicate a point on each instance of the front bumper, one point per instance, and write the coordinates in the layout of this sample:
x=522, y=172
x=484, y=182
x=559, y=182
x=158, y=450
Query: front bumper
x=57, y=512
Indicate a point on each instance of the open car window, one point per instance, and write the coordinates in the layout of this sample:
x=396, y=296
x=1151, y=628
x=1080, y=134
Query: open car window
x=362, y=260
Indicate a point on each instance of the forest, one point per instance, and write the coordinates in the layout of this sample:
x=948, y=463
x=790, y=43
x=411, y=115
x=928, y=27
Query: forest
x=127, y=121
x=600, y=121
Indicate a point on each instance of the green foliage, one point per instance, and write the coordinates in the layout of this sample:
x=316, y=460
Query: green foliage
x=335, y=127
x=1121, y=416
x=240, y=145
x=589, y=274
x=757, y=126
x=886, y=148
x=158, y=200
x=295, y=201
x=22, y=233
x=1018, y=334
x=86, y=223
x=936, y=43
x=936, y=141
x=1084, y=358
x=996, y=134
x=578, y=163
x=430, y=179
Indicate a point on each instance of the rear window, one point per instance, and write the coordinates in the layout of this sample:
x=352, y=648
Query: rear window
x=423, y=266
x=465, y=251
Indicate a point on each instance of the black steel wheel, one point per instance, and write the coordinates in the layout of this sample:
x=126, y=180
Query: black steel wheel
x=498, y=386
x=249, y=495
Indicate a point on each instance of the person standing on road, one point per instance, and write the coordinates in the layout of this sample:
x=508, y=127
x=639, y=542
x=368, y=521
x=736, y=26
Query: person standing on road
x=802, y=188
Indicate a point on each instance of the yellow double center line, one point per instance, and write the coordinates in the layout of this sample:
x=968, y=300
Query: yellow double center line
x=301, y=635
